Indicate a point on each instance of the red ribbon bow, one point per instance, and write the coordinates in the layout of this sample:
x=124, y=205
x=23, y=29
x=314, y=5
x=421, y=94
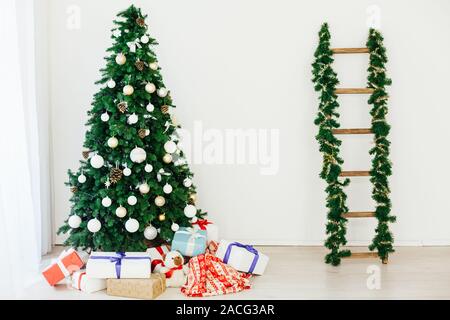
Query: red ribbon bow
x=202, y=223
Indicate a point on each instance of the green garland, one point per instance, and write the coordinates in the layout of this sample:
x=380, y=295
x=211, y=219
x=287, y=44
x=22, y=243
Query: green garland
x=325, y=81
x=381, y=166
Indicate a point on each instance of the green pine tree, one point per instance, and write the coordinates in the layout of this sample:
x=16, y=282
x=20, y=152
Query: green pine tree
x=381, y=165
x=130, y=111
x=325, y=81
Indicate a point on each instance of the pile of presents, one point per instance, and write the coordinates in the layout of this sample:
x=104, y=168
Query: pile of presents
x=214, y=267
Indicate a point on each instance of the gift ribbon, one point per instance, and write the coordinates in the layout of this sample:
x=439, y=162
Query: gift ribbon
x=202, y=223
x=118, y=260
x=193, y=235
x=60, y=264
x=247, y=247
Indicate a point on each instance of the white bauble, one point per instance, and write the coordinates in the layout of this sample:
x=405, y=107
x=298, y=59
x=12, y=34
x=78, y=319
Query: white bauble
x=170, y=147
x=150, y=107
x=121, y=59
x=132, y=119
x=148, y=168
x=121, y=212
x=128, y=90
x=160, y=201
x=111, y=83
x=150, y=233
x=187, y=182
x=162, y=92
x=138, y=155
x=97, y=161
x=150, y=87
x=147, y=132
x=153, y=65
x=113, y=142
x=81, y=178
x=126, y=172
x=94, y=225
x=104, y=116
x=144, y=188
x=190, y=211
x=74, y=221
x=167, y=188
x=167, y=158
x=132, y=200
x=175, y=227
x=145, y=39
x=132, y=225
x=106, y=202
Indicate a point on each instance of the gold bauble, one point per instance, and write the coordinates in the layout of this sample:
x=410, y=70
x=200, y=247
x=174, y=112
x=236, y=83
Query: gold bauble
x=193, y=197
x=162, y=217
x=167, y=158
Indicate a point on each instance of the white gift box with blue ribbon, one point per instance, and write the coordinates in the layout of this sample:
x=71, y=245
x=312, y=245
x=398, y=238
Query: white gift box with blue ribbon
x=126, y=265
x=189, y=242
x=242, y=257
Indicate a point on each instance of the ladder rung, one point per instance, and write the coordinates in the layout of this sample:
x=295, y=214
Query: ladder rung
x=353, y=131
x=350, y=50
x=354, y=91
x=361, y=255
x=355, y=174
x=359, y=214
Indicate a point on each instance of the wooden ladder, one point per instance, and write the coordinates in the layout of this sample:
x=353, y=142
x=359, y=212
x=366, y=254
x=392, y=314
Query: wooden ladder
x=356, y=214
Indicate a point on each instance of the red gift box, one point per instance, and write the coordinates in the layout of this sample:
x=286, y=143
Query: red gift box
x=67, y=263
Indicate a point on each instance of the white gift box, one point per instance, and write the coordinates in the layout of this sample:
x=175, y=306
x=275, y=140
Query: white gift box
x=212, y=230
x=242, y=257
x=81, y=281
x=104, y=265
x=157, y=254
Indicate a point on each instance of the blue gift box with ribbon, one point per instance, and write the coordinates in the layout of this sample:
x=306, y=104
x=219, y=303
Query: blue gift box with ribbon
x=189, y=241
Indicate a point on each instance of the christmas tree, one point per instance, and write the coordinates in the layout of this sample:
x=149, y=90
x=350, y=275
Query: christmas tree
x=134, y=183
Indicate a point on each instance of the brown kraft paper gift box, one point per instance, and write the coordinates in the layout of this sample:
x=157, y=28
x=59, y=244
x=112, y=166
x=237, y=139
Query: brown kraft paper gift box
x=137, y=288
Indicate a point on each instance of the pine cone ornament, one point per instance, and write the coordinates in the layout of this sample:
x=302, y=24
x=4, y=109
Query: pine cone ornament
x=142, y=133
x=122, y=106
x=86, y=154
x=140, y=22
x=140, y=65
x=115, y=175
x=165, y=109
x=73, y=189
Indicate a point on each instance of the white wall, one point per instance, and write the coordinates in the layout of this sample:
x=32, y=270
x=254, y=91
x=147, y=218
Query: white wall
x=246, y=64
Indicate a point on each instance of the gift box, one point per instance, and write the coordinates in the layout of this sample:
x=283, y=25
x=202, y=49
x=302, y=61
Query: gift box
x=137, y=288
x=242, y=257
x=82, y=282
x=157, y=254
x=212, y=230
x=189, y=242
x=67, y=263
x=106, y=265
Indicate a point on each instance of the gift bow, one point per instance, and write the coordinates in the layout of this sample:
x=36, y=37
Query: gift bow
x=247, y=247
x=202, y=223
x=118, y=260
x=133, y=44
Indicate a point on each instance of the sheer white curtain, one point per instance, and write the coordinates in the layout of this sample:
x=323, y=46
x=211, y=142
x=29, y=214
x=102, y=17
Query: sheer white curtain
x=21, y=200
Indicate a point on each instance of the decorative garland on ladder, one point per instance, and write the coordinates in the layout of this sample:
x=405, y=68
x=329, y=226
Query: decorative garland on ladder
x=325, y=81
x=381, y=165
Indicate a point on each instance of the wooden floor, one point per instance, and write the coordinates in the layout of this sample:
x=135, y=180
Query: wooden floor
x=300, y=273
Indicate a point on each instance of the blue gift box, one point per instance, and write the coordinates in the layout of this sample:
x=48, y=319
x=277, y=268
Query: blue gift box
x=189, y=242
